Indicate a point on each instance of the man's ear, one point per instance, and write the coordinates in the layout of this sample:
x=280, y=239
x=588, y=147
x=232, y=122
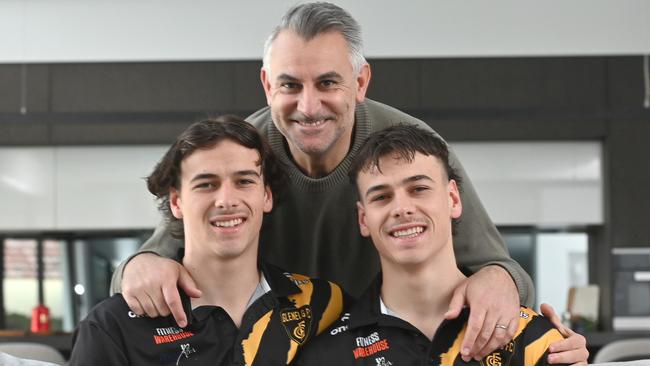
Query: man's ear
x=265, y=78
x=455, y=205
x=175, y=202
x=363, y=80
x=268, y=199
x=361, y=215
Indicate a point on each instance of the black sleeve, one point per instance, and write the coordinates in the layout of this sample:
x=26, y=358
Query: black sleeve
x=92, y=345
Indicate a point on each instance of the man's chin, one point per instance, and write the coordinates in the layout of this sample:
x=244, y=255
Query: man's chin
x=312, y=148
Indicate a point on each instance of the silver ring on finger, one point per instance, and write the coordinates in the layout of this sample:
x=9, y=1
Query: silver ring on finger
x=501, y=326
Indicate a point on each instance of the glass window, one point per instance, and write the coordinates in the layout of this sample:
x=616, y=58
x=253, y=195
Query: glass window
x=556, y=261
x=562, y=262
x=20, y=285
x=76, y=275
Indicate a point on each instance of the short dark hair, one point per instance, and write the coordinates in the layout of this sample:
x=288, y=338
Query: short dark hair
x=204, y=135
x=404, y=141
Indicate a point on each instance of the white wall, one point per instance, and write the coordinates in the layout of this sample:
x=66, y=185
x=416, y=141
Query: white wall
x=70, y=188
x=551, y=184
x=73, y=188
x=27, y=192
x=137, y=30
x=105, y=187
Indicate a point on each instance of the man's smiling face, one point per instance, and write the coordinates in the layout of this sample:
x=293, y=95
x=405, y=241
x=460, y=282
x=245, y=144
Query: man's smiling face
x=407, y=208
x=221, y=200
x=313, y=90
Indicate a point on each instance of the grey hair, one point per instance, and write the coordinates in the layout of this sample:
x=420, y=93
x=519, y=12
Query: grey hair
x=312, y=19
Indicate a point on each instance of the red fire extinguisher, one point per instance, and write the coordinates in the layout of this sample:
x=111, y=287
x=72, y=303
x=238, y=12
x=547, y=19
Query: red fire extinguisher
x=40, y=319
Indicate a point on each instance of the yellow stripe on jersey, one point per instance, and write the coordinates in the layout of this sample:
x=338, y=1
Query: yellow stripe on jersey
x=300, y=299
x=304, y=297
x=252, y=344
x=330, y=314
x=448, y=358
x=525, y=316
x=293, y=348
x=333, y=309
x=535, y=350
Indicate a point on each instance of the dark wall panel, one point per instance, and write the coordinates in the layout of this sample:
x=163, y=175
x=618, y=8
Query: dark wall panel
x=24, y=86
x=625, y=80
x=10, y=88
x=248, y=91
x=578, y=83
x=150, y=87
x=532, y=128
x=20, y=132
x=396, y=82
x=628, y=190
x=118, y=133
x=628, y=155
x=513, y=83
x=37, y=93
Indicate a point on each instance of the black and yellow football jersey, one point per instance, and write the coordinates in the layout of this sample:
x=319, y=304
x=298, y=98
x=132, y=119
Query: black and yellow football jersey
x=275, y=326
x=366, y=336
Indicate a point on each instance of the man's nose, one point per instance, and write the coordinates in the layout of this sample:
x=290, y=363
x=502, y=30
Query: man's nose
x=402, y=206
x=309, y=101
x=225, y=197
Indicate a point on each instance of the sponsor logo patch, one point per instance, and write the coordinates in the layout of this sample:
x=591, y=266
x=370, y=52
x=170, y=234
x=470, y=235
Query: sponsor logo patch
x=176, y=355
x=381, y=361
x=493, y=359
x=368, y=346
x=170, y=334
x=502, y=357
x=296, y=281
x=297, y=322
x=339, y=329
x=133, y=315
x=186, y=350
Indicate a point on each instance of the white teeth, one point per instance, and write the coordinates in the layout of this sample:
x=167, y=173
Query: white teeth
x=311, y=123
x=408, y=232
x=229, y=223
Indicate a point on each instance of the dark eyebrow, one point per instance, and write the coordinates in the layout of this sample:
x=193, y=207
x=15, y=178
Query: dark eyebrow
x=330, y=75
x=416, y=178
x=378, y=187
x=203, y=176
x=287, y=77
x=242, y=173
x=412, y=179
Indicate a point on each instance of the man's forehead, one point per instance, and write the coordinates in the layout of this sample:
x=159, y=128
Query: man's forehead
x=224, y=154
x=403, y=160
x=290, y=47
x=395, y=163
